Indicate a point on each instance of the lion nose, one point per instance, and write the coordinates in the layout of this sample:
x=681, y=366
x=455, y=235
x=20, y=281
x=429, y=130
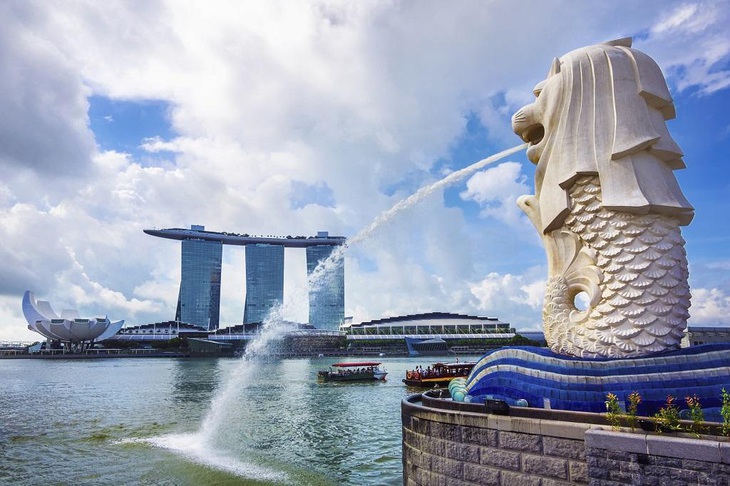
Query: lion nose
x=523, y=119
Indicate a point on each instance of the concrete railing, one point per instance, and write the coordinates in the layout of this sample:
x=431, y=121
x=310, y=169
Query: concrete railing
x=446, y=442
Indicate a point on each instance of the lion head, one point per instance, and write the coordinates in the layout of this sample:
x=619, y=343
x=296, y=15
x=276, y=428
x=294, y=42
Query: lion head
x=602, y=110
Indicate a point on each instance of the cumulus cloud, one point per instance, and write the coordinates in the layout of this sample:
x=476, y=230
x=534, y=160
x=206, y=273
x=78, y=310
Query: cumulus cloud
x=496, y=190
x=710, y=307
x=43, y=127
x=288, y=118
x=689, y=42
x=517, y=296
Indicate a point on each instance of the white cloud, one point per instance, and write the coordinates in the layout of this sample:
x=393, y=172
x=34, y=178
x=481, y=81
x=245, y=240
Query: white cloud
x=518, y=296
x=267, y=99
x=686, y=18
x=710, y=307
x=13, y=326
x=690, y=42
x=43, y=127
x=721, y=265
x=496, y=190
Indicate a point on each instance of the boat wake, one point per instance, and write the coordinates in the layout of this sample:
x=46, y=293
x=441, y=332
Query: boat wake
x=191, y=447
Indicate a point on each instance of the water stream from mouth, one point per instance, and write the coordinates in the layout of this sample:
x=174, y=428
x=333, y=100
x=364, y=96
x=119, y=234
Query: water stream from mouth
x=199, y=446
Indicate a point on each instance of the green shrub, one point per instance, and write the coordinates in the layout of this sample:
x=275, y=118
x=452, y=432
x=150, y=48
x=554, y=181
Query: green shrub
x=634, y=401
x=725, y=412
x=613, y=411
x=695, y=414
x=667, y=418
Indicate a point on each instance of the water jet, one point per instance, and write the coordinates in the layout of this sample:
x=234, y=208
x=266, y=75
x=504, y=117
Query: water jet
x=198, y=445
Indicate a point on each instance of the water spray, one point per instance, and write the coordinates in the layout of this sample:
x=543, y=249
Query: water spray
x=317, y=276
x=274, y=326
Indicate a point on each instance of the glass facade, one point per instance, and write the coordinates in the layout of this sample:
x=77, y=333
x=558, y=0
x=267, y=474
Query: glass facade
x=326, y=300
x=264, y=281
x=450, y=325
x=200, y=283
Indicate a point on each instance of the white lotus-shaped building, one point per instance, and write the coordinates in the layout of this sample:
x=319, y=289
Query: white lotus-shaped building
x=69, y=326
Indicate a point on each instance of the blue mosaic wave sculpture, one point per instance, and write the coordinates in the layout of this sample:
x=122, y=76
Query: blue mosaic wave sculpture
x=581, y=384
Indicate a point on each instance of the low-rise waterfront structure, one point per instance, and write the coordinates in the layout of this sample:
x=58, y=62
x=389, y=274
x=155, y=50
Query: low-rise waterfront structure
x=430, y=325
x=69, y=328
x=698, y=335
x=159, y=331
x=430, y=333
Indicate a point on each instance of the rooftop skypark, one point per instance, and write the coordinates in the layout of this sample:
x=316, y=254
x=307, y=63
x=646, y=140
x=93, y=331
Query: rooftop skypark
x=199, y=232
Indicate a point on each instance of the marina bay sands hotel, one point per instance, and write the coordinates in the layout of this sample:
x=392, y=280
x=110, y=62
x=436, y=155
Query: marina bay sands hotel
x=200, y=283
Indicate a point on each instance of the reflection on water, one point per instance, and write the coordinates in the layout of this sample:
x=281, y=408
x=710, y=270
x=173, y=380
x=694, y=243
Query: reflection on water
x=195, y=380
x=117, y=421
x=245, y=398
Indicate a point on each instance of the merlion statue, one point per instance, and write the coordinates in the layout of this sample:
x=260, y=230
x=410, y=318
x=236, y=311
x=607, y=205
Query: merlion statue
x=607, y=204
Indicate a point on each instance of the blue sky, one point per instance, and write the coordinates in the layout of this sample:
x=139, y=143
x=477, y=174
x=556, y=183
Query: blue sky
x=288, y=117
x=122, y=125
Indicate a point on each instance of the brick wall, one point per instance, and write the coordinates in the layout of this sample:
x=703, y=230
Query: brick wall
x=465, y=446
x=450, y=447
x=616, y=458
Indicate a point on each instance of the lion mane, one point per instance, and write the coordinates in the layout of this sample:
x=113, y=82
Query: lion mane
x=610, y=121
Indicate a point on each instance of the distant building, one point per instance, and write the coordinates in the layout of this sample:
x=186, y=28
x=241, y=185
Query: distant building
x=430, y=325
x=199, y=298
x=430, y=333
x=68, y=328
x=200, y=283
x=160, y=331
x=264, y=281
x=326, y=294
x=697, y=335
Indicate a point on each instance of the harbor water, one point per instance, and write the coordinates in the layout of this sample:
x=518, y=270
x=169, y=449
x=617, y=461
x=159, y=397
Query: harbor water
x=138, y=421
x=184, y=421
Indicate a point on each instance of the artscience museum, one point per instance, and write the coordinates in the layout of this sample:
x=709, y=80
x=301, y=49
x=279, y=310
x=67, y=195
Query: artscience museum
x=68, y=327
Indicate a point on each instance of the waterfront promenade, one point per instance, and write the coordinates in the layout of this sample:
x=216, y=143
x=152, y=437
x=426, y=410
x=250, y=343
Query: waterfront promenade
x=91, y=354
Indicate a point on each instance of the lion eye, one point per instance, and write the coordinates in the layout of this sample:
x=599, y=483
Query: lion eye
x=538, y=88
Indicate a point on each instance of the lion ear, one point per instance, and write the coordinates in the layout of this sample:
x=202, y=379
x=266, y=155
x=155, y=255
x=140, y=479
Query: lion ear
x=651, y=84
x=538, y=88
x=554, y=68
x=622, y=42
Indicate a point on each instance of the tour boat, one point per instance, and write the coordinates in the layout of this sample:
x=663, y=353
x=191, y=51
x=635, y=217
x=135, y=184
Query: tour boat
x=438, y=374
x=354, y=371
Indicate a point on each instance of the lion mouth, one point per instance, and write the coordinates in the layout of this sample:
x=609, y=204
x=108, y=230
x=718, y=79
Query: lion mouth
x=533, y=134
x=525, y=124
